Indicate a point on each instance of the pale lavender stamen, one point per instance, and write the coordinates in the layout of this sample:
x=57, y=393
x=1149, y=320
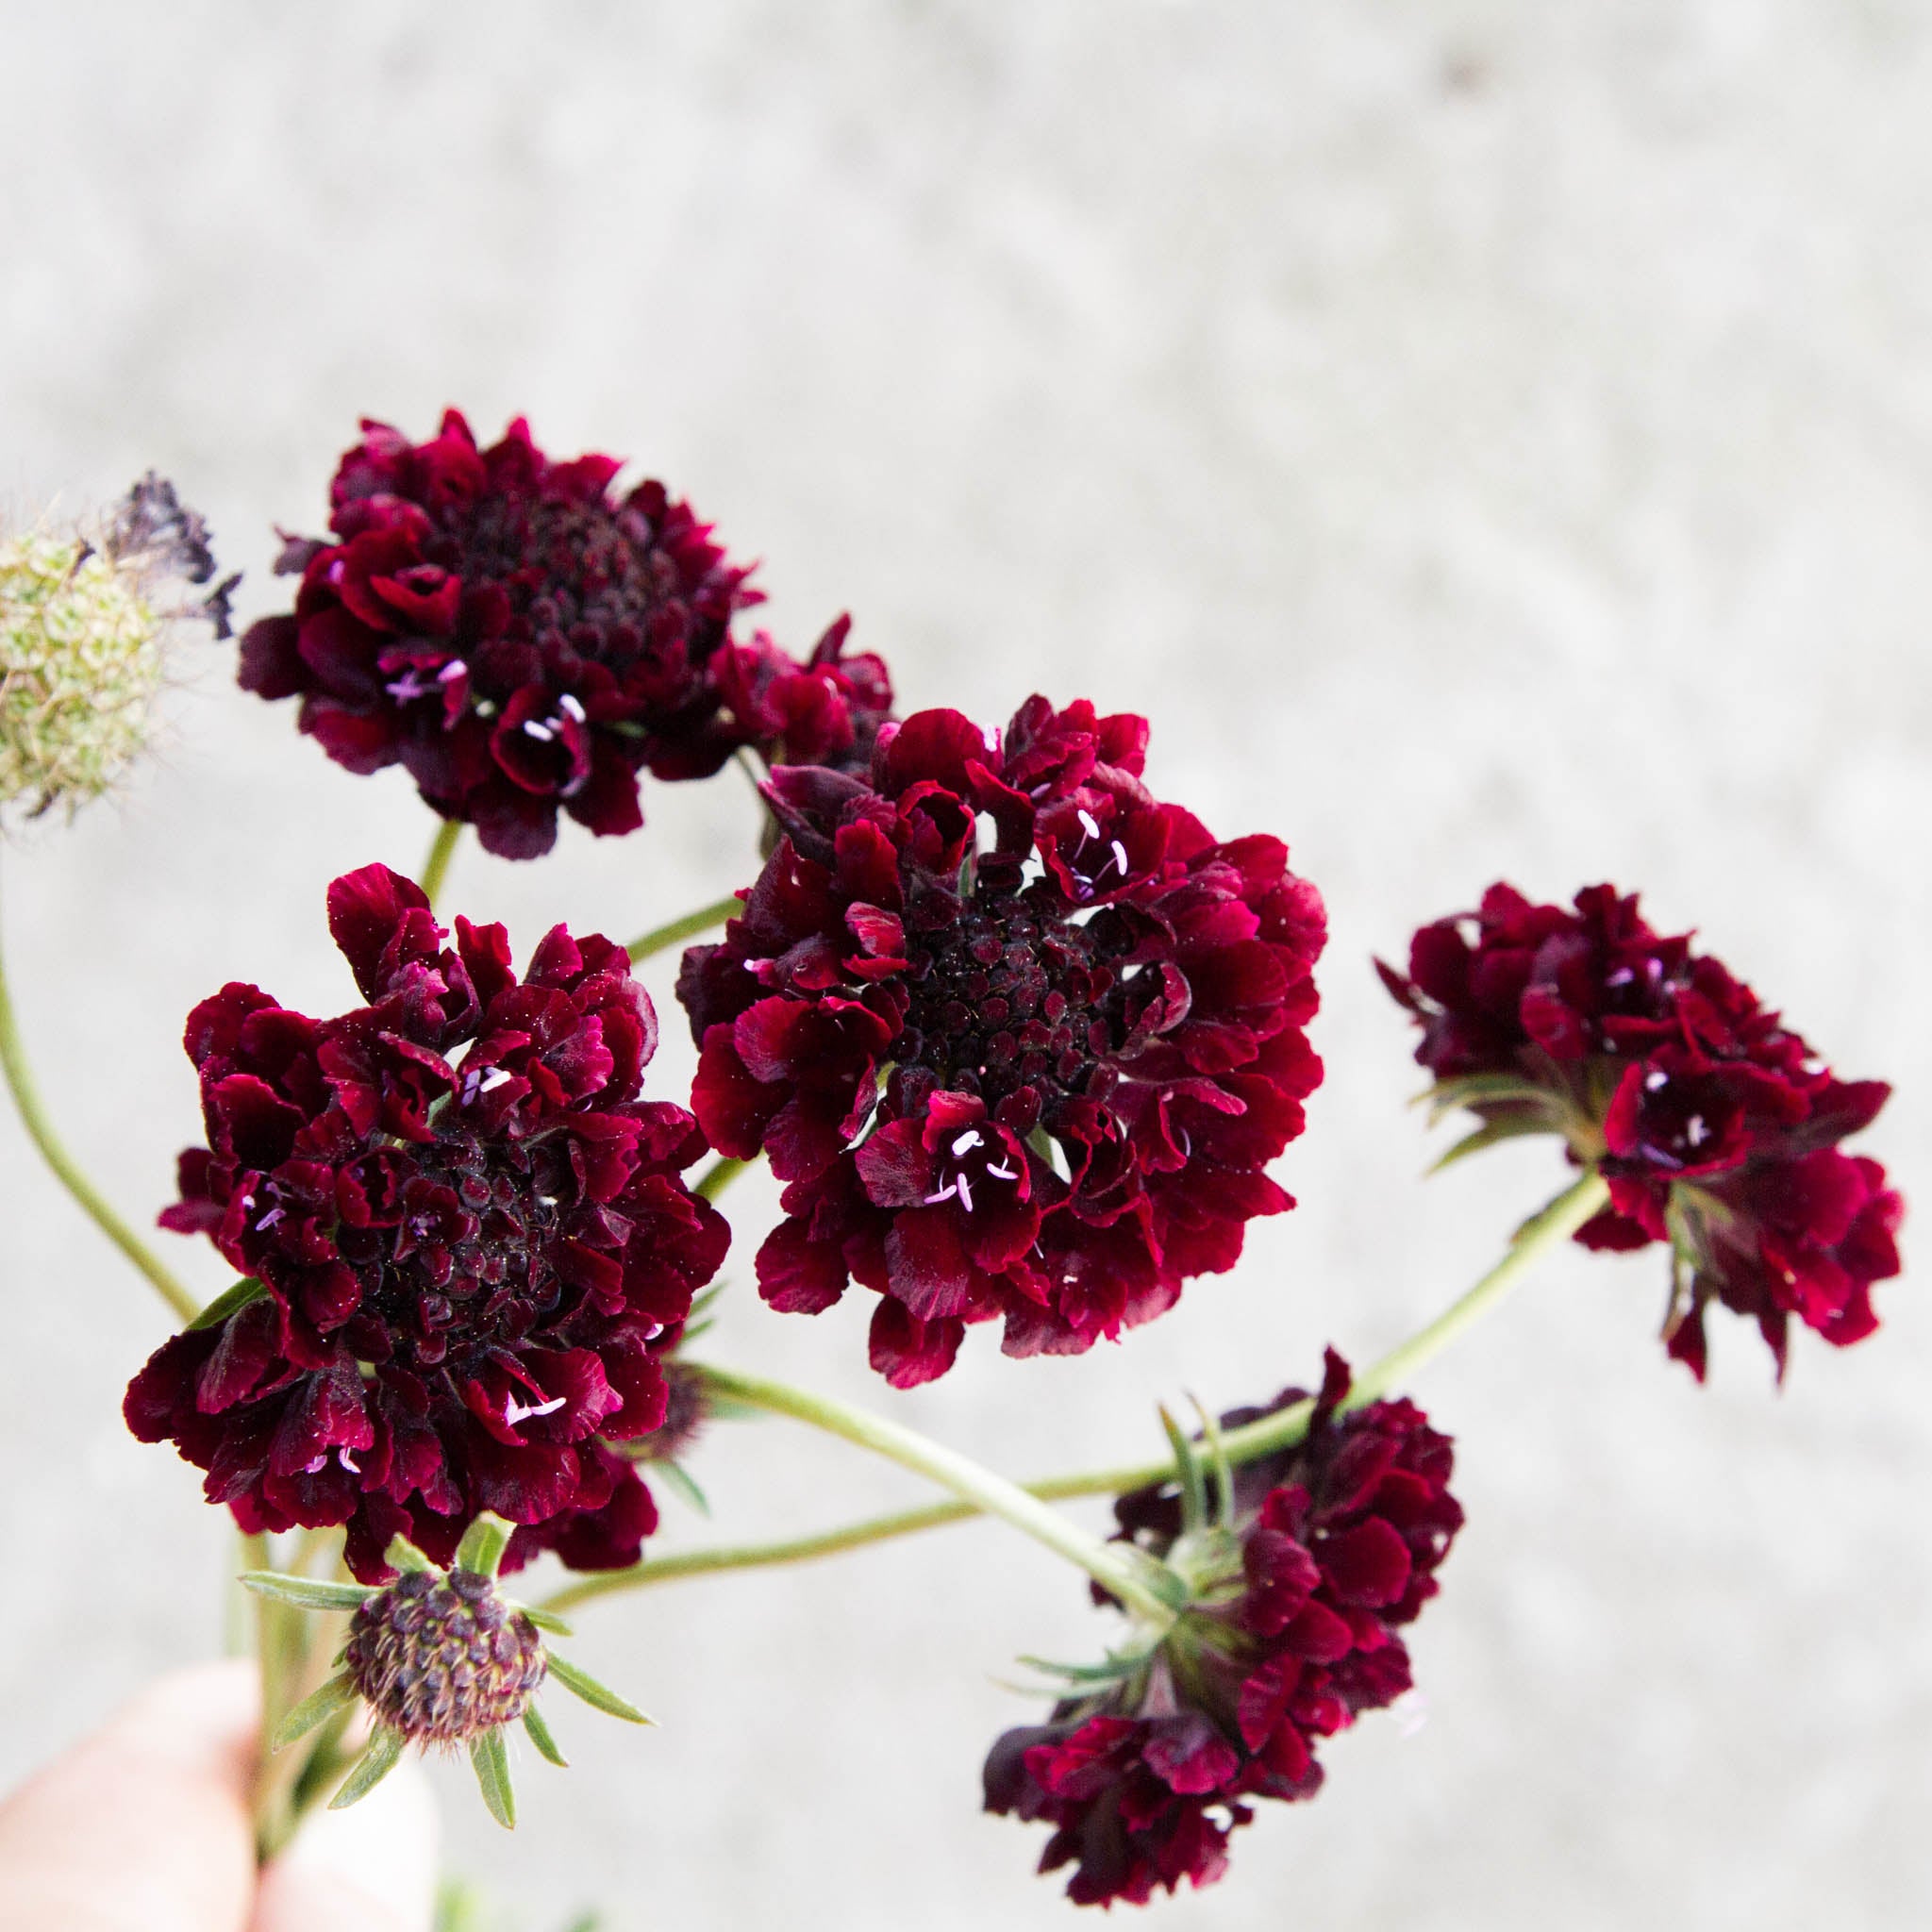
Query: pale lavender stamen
x=1120, y=857
x=966, y=1142
x=348, y=1461
x=451, y=672
x=945, y=1193
x=965, y=1193
x=1004, y=1174
x=269, y=1220
x=570, y=707
x=542, y=733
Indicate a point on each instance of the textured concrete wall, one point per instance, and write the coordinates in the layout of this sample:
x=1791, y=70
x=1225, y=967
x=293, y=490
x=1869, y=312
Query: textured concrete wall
x=1486, y=437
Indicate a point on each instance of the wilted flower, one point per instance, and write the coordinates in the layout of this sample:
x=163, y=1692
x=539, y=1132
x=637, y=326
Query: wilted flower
x=522, y=641
x=1300, y=1572
x=1037, y=1079
x=465, y=1239
x=441, y=1658
x=83, y=632
x=1715, y=1125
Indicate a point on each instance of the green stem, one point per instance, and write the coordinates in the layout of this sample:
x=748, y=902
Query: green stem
x=719, y=1176
x=441, y=849
x=20, y=1083
x=1110, y=1565
x=703, y=920
x=1554, y=1224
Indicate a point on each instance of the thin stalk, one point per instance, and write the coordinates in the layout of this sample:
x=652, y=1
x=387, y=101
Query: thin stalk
x=20, y=1083
x=719, y=1176
x=1281, y=1430
x=678, y=930
x=1110, y=1565
x=441, y=849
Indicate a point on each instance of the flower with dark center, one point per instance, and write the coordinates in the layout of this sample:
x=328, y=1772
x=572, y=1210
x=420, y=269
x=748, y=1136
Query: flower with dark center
x=441, y=1658
x=1715, y=1125
x=465, y=1244
x=1020, y=1037
x=1301, y=1570
x=524, y=642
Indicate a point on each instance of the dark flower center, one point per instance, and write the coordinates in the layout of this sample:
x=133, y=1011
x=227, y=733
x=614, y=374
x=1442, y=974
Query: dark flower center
x=466, y=1270
x=584, y=576
x=1011, y=995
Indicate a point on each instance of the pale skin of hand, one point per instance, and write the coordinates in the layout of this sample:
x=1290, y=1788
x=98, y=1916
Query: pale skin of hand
x=144, y=1827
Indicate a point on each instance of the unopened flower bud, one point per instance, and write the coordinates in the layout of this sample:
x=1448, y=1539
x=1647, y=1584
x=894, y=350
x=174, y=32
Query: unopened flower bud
x=442, y=1657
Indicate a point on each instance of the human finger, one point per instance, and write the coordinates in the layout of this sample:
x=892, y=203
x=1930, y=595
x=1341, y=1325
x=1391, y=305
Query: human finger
x=143, y=1826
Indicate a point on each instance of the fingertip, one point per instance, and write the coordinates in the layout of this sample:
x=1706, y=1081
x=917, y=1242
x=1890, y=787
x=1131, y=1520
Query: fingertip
x=369, y=1868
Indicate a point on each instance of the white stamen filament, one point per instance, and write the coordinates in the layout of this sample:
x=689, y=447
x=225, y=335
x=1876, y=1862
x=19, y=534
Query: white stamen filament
x=570, y=707
x=515, y=1411
x=1004, y=1174
x=1120, y=857
x=966, y=1142
x=348, y=1461
x=1654, y=1079
x=494, y=1077
x=965, y=1193
x=1695, y=1131
x=451, y=672
x=542, y=733
x=944, y=1194
x=1087, y=824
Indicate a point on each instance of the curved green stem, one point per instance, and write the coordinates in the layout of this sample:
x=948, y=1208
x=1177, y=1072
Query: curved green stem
x=20, y=1083
x=1555, y=1222
x=1111, y=1565
x=703, y=920
x=441, y=849
x=719, y=1176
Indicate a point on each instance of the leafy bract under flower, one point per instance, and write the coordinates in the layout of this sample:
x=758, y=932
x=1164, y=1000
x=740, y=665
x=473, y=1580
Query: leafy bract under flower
x=1020, y=1037
x=1327, y=1551
x=524, y=642
x=1716, y=1125
x=471, y=1238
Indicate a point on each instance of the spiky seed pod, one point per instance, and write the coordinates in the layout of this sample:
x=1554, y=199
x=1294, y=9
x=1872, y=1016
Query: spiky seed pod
x=443, y=1659
x=83, y=630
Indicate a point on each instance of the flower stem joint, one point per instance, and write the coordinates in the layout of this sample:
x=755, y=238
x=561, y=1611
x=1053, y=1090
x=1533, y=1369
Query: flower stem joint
x=440, y=1658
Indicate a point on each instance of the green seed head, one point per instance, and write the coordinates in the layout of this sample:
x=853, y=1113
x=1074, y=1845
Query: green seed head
x=83, y=636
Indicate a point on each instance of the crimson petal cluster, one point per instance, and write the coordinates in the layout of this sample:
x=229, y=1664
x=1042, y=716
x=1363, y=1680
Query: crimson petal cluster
x=466, y=1242
x=524, y=642
x=1333, y=1549
x=1716, y=1125
x=1034, y=1075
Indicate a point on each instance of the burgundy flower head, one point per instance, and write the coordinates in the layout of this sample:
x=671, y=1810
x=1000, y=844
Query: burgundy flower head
x=1715, y=1125
x=1035, y=1074
x=466, y=1240
x=1332, y=1548
x=522, y=641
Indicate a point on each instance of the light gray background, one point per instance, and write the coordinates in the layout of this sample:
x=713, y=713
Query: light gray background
x=1488, y=439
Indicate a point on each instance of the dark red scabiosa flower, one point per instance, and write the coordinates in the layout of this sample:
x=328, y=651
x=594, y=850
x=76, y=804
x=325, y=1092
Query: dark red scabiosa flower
x=1298, y=1592
x=824, y=711
x=1020, y=1037
x=503, y=625
x=1715, y=1125
x=466, y=1238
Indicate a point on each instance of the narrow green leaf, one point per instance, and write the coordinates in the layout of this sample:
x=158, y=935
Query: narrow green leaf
x=483, y=1544
x=1509, y=1128
x=1188, y=1470
x=678, y=1478
x=540, y=1736
x=229, y=1302
x=305, y=1592
x=1475, y=1089
x=403, y=1555
x=374, y=1765
x=544, y=1620
x=313, y=1709
x=1111, y=1671
x=1224, y=1470
x=594, y=1693
x=489, y=1760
